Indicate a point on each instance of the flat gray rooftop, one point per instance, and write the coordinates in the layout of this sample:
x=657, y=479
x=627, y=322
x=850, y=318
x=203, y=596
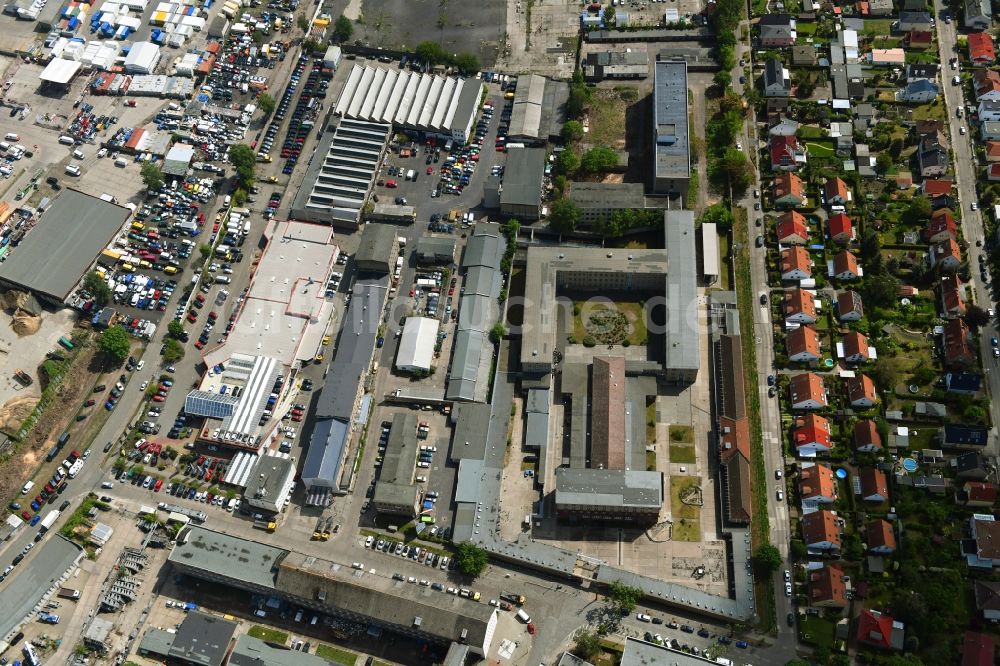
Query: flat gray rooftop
x=228, y=556
x=522, y=180
x=670, y=106
x=682, y=292
x=609, y=487
x=607, y=195
x=250, y=651
x=29, y=582
x=66, y=242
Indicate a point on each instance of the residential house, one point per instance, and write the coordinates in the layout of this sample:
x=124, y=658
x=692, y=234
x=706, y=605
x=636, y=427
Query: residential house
x=860, y=391
x=947, y=255
x=955, y=436
x=874, y=485
x=804, y=55
x=993, y=172
x=878, y=8
x=799, y=306
x=792, y=229
x=992, y=150
x=811, y=436
x=803, y=345
x=986, y=83
x=786, y=154
x=933, y=155
x=780, y=125
x=880, y=538
x=913, y=21
x=919, y=92
x=977, y=494
x=934, y=188
x=978, y=15
x=879, y=630
x=866, y=436
x=845, y=266
x=919, y=40
x=981, y=49
x=854, y=348
x=806, y=391
x=904, y=180
x=987, y=595
x=989, y=131
x=952, y=297
x=988, y=110
x=817, y=482
x=777, y=79
x=985, y=550
x=836, y=192
x=956, y=345
x=941, y=227
x=970, y=466
x=849, y=306
x=978, y=649
x=921, y=72
x=789, y=190
x=841, y=229
x=827, y=587
x=820, y=531
x=887, y=57
x=795, y=263
x=777, y=30
x=963, y=383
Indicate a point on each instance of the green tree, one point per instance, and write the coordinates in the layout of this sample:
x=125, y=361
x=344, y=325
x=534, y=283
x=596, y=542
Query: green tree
x=564, y=216
x=587, y=644
x=767, y=559
x=115, y=344
x=883, y=162
x=431, y=52
x=152, y=177
x=918, y=212
x=568, y=162
x=497, y=333
x=624, y=597
x=244, y=159
x=976, y=317
x=175, y=329
x=880, y=290
x=723, y=79
x=303, y=22
x=572, y=131
x=609, y=15
x=173, y=351
x=205, y=250
x=579, y=96
x=737, y=171
x=720, y=214
x=266, y=104
x=98, y=289
x=468, y=63
x=342, y=29
x=599, y=159
x=239, y=197
x=471, y=559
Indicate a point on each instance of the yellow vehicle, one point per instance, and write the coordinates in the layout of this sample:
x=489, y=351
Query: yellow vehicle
x=138, y=226
x=319, y=358
x=476, y=596
x=263, y=157
x=326, y=340
x=128, y=268
x=508, y=95
x=272, y=179
x=145, y=264
x=170, y=270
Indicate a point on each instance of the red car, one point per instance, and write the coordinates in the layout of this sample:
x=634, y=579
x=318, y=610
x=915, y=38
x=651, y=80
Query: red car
x=531, y=628
x=430, y=170
x=451, y=291
x=160, y=398
x=297, y=418
x=212, y=316
x=158, y=485
x=199, y=345
x=192, y=316
x=26, y=515
x=412, y=292
x=130, y=102
x=390, y=183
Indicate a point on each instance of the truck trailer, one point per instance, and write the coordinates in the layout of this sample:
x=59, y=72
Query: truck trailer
x=50, y=519
x=68, y=593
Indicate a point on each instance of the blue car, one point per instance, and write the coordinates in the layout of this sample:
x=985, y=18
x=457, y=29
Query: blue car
x=35, y=506
x=109, y=405
x=741, y=644
x=34, y=521
x=192, y=493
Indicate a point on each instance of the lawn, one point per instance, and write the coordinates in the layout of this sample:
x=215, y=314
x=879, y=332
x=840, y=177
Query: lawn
x=268, y=635
x=651, y=423
x=650, y=461
x=816, y=630
x=606, y=113
x=932, y=111
x=724, y=249
x=683, y=454
x=681, y=434
x=345, y=657
x=687, y=517
x=817, y=149
x=877, y=27
x=610, y=323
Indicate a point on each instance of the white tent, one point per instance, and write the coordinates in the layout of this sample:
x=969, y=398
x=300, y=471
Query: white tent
x=60, y=71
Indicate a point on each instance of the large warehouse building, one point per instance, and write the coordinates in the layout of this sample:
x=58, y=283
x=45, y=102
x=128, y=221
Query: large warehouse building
x=436, y=105
x=521, y=189
x=538, y=109
x=66, y=242
x=341, y=174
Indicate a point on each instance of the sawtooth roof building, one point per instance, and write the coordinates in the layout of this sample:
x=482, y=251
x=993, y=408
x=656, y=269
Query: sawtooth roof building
x=334, y=589
x=429, y=103
x=537, y=112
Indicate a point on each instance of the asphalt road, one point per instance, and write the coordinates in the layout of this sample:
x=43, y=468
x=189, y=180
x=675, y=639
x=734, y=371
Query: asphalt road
x=972, y=221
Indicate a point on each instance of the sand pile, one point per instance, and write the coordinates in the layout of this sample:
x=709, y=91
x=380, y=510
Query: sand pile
x=24, y=323
x=15, y=410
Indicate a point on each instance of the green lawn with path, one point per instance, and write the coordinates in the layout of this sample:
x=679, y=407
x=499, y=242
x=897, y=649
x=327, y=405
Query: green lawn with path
x=610, y=323
x=687, y=517
x=268, y=635
x=345, y=657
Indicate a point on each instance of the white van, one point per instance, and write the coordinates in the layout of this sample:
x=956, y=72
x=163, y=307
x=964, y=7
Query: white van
x=121, y=163
x=12, y=136
x=66, y=140
x=72, y=169
x=4, y=146
x=27, y=487
x=227, y=200
x=411, y=175
x=77, y=154
x=223, y=279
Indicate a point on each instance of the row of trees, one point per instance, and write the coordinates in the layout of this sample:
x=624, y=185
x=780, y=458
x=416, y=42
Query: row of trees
x=435, y=54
